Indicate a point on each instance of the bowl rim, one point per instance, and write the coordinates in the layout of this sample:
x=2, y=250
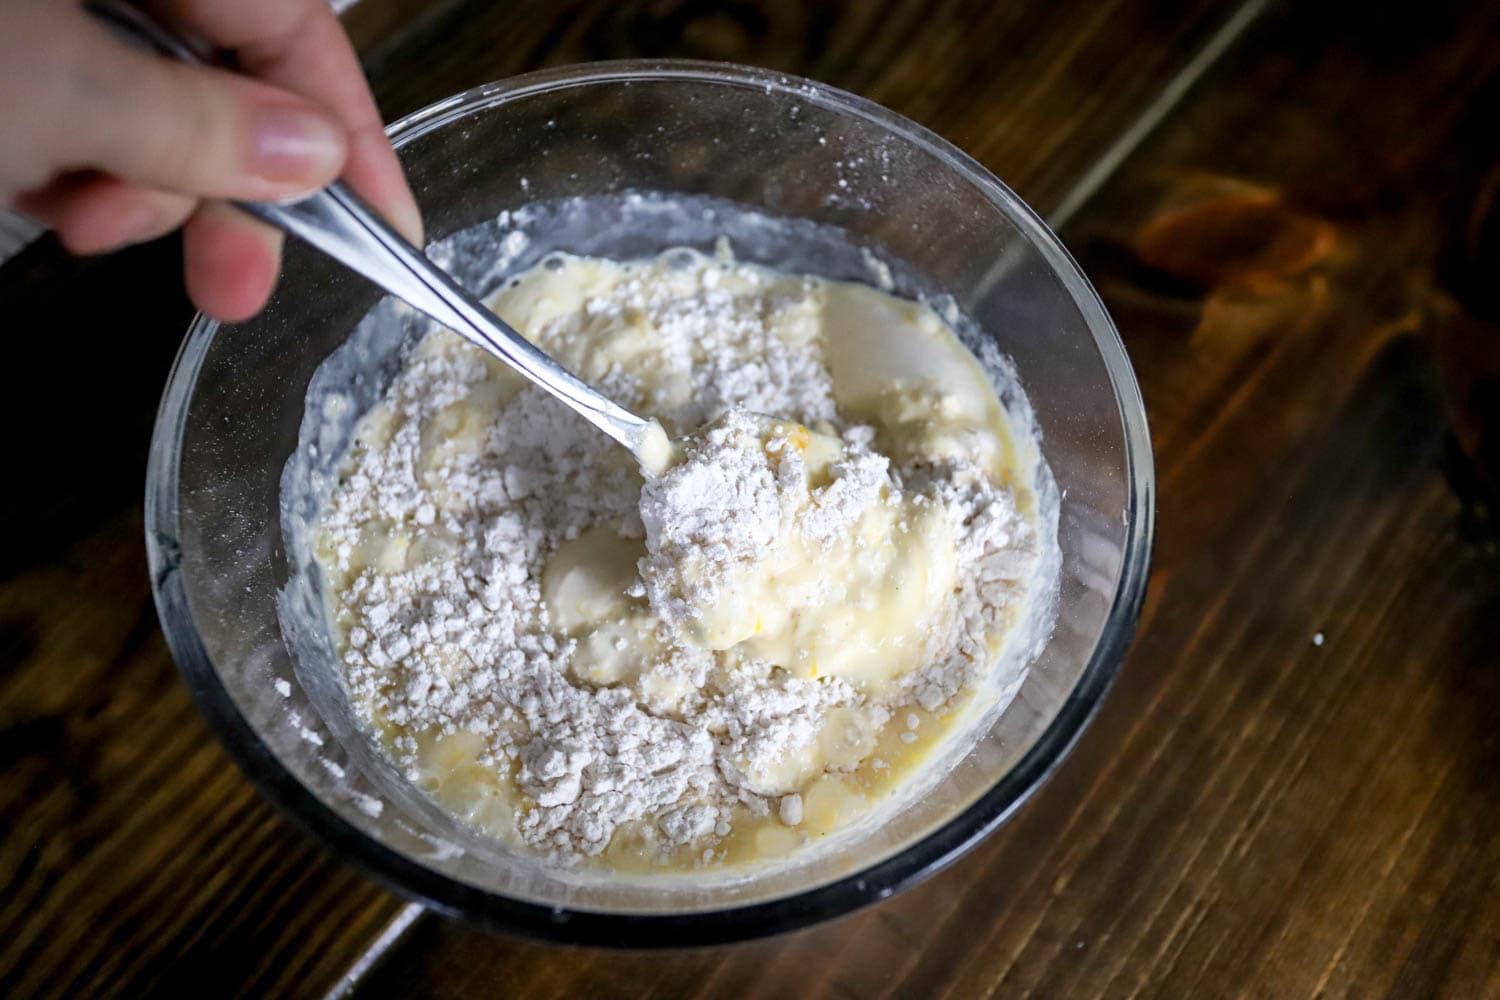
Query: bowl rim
x=922, y=859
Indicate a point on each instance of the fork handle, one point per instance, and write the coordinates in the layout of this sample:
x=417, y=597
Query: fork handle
x=338, y=222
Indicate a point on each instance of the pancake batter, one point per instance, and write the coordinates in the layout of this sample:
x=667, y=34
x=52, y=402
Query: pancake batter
x=713, y=666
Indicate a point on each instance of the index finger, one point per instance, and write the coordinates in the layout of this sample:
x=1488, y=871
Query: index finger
x=299, y=45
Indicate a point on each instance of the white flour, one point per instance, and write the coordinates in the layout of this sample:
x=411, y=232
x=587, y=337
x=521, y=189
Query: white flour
x=448, y=634
x=732, y=499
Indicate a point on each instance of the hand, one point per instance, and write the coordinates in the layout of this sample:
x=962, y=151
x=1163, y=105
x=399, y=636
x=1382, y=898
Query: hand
x=112, y=145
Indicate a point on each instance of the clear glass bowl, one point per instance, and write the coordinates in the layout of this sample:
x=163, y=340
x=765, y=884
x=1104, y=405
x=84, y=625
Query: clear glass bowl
x=771, y=144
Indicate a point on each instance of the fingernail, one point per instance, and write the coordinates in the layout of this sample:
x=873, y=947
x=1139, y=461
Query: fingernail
x=294, y=146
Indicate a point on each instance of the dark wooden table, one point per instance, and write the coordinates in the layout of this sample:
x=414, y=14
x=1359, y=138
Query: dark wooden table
x=1293, y=212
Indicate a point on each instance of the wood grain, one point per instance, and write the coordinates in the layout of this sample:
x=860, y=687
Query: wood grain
x=1037, y=91
x=1251, y=814
x=135, y=857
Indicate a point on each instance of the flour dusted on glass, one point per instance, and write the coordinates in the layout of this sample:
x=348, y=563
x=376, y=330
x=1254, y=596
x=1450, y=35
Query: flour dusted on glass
x=524, y=630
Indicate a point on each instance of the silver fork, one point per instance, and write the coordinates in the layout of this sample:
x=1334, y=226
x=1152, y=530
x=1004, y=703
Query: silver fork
x=338, y=222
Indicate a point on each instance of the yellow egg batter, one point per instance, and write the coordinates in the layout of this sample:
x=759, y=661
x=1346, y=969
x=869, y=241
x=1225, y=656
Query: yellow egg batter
x=748, y=655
